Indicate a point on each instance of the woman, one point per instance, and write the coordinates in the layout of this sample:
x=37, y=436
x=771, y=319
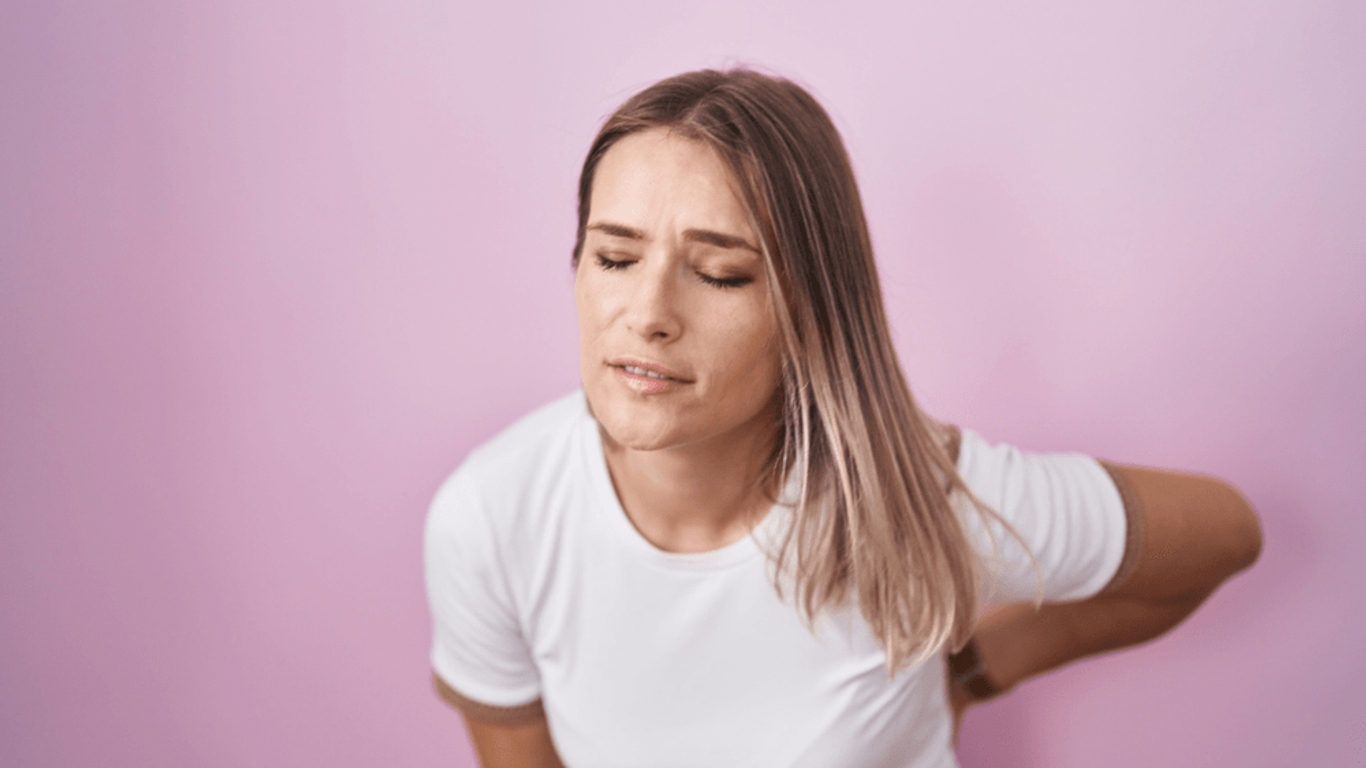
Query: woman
x=742, y=543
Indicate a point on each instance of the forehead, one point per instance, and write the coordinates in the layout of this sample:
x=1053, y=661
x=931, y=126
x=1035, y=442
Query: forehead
x=657, y=178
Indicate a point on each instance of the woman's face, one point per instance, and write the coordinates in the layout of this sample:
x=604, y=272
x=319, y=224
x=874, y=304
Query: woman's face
x=678, y=341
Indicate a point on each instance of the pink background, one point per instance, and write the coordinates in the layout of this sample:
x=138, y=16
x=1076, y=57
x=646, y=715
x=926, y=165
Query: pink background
x=269, y=270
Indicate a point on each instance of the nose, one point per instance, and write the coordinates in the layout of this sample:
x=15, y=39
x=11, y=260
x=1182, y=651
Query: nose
x=653, y=313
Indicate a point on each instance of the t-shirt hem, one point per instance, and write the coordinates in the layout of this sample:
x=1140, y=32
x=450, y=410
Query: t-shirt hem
x=1116, y=548
x=1133, y=519
x=516, y=714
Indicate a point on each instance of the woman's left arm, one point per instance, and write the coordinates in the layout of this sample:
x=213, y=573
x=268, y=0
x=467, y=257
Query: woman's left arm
x=1195, y=532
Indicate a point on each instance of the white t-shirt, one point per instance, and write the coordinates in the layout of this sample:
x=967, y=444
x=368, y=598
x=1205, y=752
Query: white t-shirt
x=544, y=594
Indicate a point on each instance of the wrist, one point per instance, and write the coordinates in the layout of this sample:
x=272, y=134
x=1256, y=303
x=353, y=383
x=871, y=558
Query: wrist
x=968, y=673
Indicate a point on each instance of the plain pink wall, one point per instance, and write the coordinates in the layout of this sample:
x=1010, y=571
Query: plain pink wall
x=269, y=270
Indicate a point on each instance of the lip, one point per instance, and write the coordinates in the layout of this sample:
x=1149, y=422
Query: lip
x=652, y=366
x=643, y=383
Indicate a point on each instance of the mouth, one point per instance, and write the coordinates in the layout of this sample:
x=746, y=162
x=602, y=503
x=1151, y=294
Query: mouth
x=638, y=371
x=645, y=377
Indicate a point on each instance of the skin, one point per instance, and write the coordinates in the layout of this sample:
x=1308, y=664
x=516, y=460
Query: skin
x=669, y=279
x=1197, y=532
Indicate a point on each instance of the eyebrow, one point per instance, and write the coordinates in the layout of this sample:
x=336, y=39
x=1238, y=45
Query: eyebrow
x=706, y=236
x=618, y=230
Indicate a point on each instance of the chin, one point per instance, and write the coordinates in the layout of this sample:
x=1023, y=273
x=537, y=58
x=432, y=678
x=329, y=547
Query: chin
x=634, y=425
x=635, y=441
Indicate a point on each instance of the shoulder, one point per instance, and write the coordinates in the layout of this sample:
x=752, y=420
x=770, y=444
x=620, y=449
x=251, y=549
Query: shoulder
x=489, y=528
x=995, y=469
x=508, y=476
x=520, y=447
x=1059, y=513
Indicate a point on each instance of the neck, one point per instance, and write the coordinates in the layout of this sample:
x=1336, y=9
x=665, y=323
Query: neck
x=697, y=497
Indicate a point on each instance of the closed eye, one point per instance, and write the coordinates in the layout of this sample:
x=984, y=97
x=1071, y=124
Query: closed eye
x=613, y=264
x=725, y=282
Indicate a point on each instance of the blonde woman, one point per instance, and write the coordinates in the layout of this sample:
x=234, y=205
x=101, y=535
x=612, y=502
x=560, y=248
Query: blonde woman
x=742, y=544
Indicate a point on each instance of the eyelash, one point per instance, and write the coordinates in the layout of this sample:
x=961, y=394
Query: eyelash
x=725, y=282
x=612, y=265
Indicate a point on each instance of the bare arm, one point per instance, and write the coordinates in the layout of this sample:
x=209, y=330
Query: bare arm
x=503, y=737
x=1197, y=531
x=523, y=745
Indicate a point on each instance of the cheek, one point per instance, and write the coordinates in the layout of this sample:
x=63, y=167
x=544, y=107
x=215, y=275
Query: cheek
x=752, y=360
x=588, y=302
x=598, y=296
x=588, y=334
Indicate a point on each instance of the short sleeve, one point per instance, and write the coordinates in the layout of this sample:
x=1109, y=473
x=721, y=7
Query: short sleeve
x=1064, y=506
x=480, y=658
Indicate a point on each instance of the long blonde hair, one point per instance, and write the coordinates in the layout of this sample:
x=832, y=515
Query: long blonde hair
x=874, y=514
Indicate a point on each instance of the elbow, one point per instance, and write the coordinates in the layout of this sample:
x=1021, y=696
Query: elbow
x=1252, y=540
x=1242, y=540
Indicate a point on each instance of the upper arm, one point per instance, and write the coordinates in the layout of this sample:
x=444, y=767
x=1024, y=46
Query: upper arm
x=1188, y=533
x=504, y=737
x=520, y=744
x=1183, y=535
